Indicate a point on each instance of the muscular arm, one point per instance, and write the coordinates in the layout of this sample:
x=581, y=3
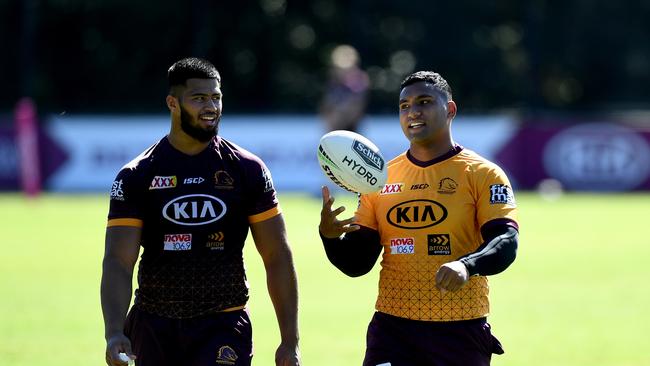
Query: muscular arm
x=271, y=241
x=355, y=253
x=121, y=253
x=496, y=253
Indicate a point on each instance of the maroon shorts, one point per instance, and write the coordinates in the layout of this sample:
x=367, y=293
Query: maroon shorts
x=398, y=341
x=216, y=339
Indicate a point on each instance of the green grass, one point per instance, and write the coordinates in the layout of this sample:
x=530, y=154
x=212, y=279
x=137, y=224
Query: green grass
x=577, y=294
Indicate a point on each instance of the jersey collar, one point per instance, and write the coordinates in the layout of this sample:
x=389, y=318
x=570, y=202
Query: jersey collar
x=454, y=150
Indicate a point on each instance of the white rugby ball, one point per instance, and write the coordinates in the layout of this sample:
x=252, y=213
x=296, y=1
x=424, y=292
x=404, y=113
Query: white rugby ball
x=352, y=161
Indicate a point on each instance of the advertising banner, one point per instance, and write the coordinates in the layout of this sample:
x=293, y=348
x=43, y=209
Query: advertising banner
x=601, y=156
x=84, y=153
x=98, y=146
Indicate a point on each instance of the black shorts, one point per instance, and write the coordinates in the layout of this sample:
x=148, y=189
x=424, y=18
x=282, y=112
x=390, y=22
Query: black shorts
x=217, y=339
x=394, y=341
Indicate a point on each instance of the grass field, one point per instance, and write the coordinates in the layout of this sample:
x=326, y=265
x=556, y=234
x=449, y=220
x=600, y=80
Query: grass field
x=576, y=295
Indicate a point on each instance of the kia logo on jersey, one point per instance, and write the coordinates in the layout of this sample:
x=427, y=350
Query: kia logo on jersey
x=194, y=210
x=416, y=214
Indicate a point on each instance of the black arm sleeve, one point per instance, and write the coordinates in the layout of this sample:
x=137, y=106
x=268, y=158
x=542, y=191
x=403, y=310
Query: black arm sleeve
x=496, y=253
x=355, y=253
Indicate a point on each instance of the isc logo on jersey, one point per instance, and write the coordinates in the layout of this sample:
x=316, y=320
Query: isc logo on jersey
x=402, y=246
x=194, y=210
x=178, y=242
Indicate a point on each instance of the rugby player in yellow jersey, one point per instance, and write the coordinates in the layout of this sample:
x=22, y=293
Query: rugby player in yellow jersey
x=445, y=220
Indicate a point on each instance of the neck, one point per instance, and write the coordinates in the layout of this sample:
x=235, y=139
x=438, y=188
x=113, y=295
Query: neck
x=185, y=143
x=430, y=151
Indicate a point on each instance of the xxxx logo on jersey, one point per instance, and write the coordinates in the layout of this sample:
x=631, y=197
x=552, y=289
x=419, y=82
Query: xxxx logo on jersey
x=392, y=188
x=162, y=182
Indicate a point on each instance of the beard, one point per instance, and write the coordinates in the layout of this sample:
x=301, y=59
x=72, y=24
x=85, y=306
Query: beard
x=197, y=132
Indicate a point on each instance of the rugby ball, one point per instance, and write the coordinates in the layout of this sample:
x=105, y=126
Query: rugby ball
x=352, y=161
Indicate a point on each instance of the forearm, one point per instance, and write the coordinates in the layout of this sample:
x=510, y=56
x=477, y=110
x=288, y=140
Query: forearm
x=494, y=255
x=116, y=290
x=355, y=253
x=283, y=290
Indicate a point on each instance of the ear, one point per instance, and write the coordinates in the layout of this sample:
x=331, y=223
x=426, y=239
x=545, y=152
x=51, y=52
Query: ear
x=451, y=109
x=172, y=103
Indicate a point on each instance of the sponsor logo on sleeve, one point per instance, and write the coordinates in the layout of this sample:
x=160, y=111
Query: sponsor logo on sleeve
x=392, y=188
x=176, y=242
x=447, y=186
x=439, y=244
x=226, y=356
x=223, y=180
x=215, y=241
x=197, y=180
x=116, y=191
x=163, y=182
x=268, y=181
x=402, y=246
x=501, y=193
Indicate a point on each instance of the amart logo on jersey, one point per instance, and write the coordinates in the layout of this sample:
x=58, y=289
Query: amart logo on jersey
x=416, y=214
x=194, y=210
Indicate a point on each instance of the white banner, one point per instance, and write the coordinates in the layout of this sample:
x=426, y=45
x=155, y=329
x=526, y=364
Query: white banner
x=98, y=146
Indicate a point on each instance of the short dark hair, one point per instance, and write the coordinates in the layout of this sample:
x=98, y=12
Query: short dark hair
x=430, y=77
x=191, y=68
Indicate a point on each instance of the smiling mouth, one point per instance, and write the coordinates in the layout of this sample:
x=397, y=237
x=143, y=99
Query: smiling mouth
x=211, y=119
x=415, y=125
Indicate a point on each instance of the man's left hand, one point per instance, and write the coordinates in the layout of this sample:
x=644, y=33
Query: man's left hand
x=287, y=356
x=451, y=276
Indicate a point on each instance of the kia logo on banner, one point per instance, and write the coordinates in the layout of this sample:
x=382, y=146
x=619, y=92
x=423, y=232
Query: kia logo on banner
x=598, y=157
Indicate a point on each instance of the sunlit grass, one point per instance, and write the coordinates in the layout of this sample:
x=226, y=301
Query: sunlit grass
x=576, y=295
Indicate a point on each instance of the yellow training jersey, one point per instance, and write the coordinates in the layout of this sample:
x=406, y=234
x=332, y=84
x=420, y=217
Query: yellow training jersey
x=429, y=214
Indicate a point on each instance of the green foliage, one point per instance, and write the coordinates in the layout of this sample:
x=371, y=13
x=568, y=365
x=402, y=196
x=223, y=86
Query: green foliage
x=100, y=56
x=575, y=295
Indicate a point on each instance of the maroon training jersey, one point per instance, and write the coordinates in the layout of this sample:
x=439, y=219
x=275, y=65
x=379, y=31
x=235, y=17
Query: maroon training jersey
x=195, y=213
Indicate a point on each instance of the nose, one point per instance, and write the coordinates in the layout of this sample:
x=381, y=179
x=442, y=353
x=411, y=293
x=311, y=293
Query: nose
x=414, y=112
x=213, y=105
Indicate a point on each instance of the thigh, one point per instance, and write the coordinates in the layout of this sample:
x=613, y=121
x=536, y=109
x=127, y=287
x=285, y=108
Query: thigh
x=220, y=339
x=459, y=344
x=152, y=338
x=388, y=342
x=393, y=341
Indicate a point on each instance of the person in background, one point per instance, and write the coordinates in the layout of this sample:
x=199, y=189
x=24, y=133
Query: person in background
x=445, y=220
x=189, y=201
x=343, y=105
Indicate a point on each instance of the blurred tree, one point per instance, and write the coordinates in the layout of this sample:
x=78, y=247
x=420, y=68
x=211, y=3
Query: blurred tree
x=105, y=56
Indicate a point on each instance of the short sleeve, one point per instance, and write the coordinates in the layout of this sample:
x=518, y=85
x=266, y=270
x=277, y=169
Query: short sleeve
x=263, y=202
x=365, y=214
x=495, y=196
x=126, y=194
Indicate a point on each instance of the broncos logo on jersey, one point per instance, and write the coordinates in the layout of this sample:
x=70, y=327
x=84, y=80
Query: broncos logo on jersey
x=226, y=356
